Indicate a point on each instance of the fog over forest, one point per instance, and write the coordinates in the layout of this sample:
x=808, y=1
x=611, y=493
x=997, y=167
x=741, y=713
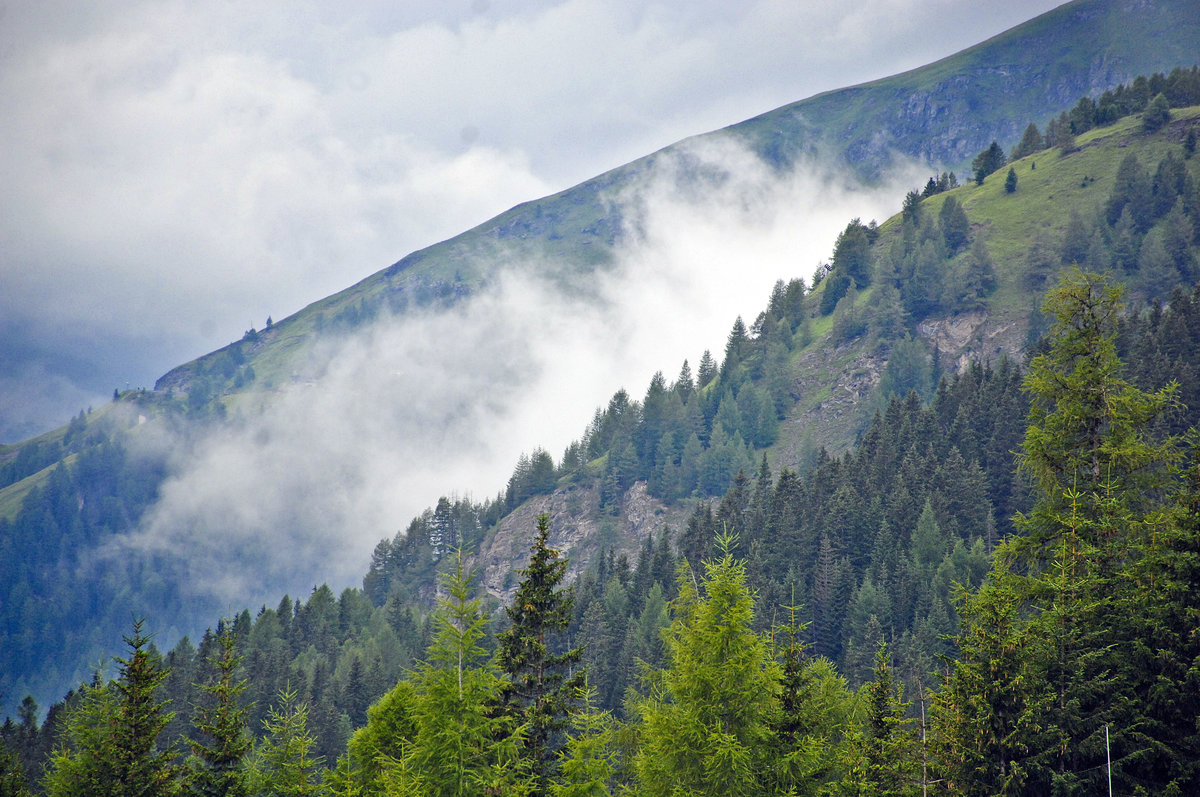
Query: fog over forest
x=443, y=402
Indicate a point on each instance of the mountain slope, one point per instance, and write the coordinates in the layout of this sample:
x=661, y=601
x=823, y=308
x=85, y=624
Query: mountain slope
x=841, y=367
x=944, y=113
x=939, y=115
x=89, y=501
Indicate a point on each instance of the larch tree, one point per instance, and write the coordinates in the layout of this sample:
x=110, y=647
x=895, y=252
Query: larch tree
x=1101, y=480
x=284, y=765
x=460, y=745
x=706, y=725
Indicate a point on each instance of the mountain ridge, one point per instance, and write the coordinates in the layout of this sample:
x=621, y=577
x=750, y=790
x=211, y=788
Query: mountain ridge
x=578, y=227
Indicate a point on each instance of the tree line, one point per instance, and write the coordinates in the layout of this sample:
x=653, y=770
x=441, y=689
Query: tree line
x=1073, y=658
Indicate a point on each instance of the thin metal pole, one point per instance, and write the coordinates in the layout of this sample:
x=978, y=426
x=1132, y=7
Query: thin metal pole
x=1108, y=755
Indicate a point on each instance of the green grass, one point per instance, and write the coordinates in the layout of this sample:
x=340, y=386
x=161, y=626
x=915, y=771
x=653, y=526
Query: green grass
x=1050, y=186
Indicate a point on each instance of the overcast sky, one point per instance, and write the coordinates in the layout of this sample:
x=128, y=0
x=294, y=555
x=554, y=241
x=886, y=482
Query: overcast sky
x=171, y=173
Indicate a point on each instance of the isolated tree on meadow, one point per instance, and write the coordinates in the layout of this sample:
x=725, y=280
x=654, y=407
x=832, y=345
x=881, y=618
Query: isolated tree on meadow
x=955, y=226
x=1157, y=114
x=1031, y=141
x=987, y=162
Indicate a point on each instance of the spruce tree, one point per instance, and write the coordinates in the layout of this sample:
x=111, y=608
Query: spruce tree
x=218, y=768
x=1157, y=616
x=955, y=226
x=542, y=672
x=1032, y=141
x=110, y=744
x=988, y=161
x=588, y=761
x=882, y=756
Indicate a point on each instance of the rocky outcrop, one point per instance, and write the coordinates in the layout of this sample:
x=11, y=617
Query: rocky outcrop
x=578, y=530
x=972, y=337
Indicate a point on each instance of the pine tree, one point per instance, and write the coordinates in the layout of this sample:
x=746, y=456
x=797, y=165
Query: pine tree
x=540, y=669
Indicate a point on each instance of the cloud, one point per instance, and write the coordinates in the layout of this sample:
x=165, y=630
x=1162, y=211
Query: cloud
x=173, y=173
x=442, y=403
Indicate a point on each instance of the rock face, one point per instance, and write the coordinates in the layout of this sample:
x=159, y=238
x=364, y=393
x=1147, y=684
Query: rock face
x=972, y=337
x=574, y=531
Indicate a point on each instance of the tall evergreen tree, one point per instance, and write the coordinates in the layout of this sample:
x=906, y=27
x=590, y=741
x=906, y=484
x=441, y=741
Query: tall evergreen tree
x=988, y=734
x=988, y=161
x=218, y=768
x=955, y=226
x=1100, y=479
x=1156, y=617
x=882, y=755
x=542, y=672
x=1032, y=141
x=110, y=745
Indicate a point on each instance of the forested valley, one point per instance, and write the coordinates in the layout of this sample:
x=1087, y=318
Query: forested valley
x=996, y=590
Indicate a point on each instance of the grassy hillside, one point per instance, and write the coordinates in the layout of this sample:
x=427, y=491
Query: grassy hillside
x=941, y=114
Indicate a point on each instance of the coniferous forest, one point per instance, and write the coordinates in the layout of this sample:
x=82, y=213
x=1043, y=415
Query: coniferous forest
x=995, y=590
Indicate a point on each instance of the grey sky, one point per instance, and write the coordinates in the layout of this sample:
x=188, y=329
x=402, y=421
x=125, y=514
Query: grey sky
x=172, y=173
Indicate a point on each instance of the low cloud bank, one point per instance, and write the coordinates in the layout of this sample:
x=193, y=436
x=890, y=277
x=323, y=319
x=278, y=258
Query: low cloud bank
x=441, y=403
